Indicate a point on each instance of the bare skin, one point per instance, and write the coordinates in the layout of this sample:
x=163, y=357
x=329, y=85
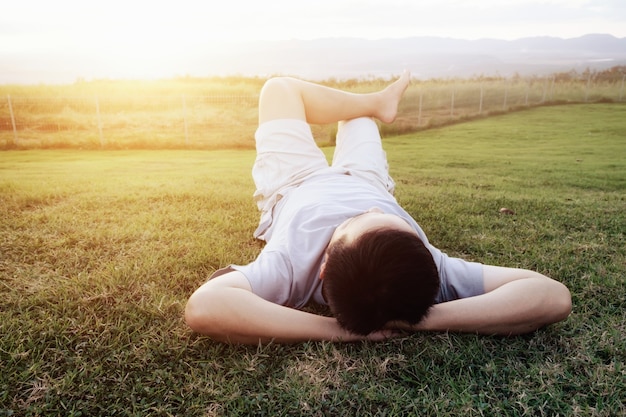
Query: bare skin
x=225, y=307
x=515, y=301
x=290, y=98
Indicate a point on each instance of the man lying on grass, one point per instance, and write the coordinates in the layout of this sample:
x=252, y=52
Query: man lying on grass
x=335, y=235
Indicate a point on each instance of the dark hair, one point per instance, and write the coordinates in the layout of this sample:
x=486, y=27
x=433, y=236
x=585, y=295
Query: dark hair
x=384, y=275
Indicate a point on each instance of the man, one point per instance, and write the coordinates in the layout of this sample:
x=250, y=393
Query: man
x=335, y=235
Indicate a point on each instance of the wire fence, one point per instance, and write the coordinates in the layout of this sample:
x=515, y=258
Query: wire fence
x=227, y=121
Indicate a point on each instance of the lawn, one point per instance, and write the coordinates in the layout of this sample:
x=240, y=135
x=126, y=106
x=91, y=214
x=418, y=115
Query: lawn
x=99, y=251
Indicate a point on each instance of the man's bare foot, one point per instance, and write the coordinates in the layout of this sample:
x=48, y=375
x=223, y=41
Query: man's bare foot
x=390, y=98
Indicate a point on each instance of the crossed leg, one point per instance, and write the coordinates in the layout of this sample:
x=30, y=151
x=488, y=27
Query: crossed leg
x=290, y=98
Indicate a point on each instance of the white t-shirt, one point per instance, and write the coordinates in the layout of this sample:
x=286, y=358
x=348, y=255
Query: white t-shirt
x=286, y=272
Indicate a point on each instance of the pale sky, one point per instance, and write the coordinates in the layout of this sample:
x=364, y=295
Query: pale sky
x=115, y=30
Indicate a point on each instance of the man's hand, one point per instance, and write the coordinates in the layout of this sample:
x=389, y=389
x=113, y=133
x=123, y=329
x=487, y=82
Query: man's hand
x=516, y=301
x=225, y=309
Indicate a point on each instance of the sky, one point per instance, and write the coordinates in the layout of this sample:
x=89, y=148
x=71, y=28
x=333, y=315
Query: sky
x=133, y=38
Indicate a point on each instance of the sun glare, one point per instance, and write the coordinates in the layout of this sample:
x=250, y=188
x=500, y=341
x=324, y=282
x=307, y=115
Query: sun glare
x=126, y=39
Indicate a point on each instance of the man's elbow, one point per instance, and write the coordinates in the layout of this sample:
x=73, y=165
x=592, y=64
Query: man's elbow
x=200, y=314
x=555, y=307
x=561, y=303
x=193, y=316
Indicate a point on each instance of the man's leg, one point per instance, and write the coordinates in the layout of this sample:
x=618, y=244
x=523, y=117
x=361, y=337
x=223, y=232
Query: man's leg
x=290, y=98
x=360, y=151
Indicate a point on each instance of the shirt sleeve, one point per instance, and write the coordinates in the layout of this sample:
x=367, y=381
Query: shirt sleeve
x=270, y=277
x=459, y=279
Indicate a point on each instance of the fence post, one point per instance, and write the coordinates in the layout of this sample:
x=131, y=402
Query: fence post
x=587, y=88
x=506, y=93
x=419, y=112
x=15, y=140
x=185, y=120
x=480, y=107
x=545, y=91
x=527, y=92
x=621, y=91
x=99, y=122
x=452, y=104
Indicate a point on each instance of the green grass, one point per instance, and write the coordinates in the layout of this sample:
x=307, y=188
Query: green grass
x=99, y=251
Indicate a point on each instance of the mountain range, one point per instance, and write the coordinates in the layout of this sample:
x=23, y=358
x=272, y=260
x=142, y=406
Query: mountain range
x=341, y=58
x=427, y=57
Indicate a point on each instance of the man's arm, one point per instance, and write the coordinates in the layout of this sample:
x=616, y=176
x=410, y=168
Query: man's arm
x=516, y=301
x=225, y=309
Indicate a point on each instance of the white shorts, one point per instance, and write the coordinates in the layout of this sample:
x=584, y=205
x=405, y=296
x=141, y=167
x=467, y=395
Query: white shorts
x=287, y=155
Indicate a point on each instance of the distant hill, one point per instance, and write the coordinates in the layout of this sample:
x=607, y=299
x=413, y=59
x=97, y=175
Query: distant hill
x=427, y=57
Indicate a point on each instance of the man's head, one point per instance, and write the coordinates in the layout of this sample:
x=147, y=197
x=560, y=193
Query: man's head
x=378, y=270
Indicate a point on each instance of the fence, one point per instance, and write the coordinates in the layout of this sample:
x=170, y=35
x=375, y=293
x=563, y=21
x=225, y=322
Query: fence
x=227, y=121
x=122, y=121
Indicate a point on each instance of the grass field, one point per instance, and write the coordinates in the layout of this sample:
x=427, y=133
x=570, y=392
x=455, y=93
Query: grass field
x=99, y=251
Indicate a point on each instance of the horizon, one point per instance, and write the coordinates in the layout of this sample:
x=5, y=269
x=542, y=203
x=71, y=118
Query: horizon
x=59, y=42
x=327, y=58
